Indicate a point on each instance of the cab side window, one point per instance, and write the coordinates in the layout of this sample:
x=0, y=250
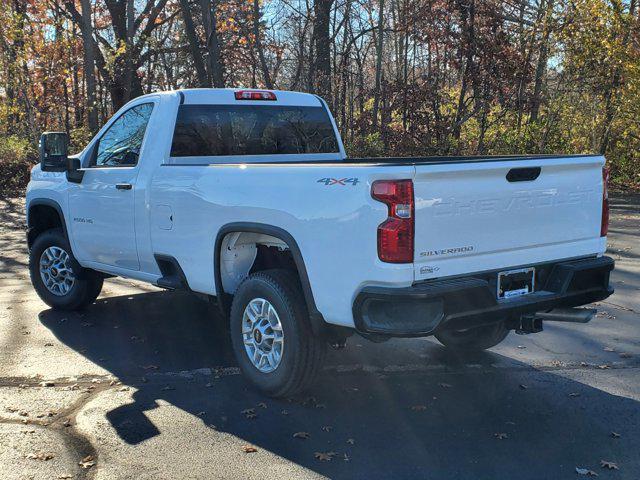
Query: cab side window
x=120, y=145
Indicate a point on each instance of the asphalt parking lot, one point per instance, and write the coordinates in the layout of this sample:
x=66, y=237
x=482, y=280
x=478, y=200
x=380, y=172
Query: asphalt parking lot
x=143, y=385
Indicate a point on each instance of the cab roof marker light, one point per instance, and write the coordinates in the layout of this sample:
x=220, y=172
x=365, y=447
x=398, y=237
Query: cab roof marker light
x=255, y=95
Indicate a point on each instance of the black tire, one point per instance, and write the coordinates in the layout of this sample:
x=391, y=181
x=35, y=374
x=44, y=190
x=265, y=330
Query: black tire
x=87, y=283
x=302, y=354
x=474, y=339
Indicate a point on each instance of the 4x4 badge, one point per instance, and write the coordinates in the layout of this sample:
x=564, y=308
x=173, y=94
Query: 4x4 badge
x=339, y=181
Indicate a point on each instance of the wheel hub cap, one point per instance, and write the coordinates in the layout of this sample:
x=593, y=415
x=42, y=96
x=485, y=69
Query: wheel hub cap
x=55, y=271
x=262, y=335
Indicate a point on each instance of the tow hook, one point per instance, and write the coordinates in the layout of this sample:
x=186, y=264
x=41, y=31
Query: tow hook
x=527, y=324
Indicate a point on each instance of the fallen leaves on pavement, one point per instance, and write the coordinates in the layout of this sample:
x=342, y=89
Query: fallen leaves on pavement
x=324, y=456
x=249, y=413
x=609, y=465
x=87, y=462
x=44, y=456
x=586, y=471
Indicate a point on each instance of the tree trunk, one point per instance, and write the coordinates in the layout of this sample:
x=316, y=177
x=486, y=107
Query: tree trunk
x=322, y=43
x=258, y=45
x=194, y=44
x=467, y=13
x=379, y=46
x=541, y=67
x=210, y=20
x=89, y=64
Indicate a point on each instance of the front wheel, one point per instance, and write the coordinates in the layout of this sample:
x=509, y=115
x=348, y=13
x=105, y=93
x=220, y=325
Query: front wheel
x=271, y=335
x=57, y=277
x=479, y=338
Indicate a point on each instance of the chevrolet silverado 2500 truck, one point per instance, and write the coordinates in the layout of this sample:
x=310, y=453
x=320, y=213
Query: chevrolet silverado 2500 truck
x=248, y=197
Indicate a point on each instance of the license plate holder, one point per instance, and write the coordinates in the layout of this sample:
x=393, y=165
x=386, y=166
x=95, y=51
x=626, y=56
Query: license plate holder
x=516, y=283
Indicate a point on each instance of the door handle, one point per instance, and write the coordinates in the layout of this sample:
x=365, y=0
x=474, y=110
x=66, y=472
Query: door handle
x=123, y=186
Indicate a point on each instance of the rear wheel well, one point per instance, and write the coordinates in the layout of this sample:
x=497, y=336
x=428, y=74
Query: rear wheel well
x=243, y=249
x=244, y=253
x=41, y=219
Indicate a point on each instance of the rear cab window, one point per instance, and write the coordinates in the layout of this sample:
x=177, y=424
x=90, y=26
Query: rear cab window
x=221, y=132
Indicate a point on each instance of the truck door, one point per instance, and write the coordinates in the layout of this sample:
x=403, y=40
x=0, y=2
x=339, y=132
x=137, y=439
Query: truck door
x=102, y=205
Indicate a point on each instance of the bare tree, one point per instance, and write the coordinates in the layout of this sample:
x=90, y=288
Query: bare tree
x=194, y=44
x=210, y=23
x=321, y=71
x=258, y=45
x=379, y=49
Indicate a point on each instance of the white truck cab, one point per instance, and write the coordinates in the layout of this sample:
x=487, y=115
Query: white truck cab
x=248, y=197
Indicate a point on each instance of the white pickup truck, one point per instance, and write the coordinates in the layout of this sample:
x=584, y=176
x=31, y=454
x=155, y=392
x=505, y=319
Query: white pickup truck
x=248, y=197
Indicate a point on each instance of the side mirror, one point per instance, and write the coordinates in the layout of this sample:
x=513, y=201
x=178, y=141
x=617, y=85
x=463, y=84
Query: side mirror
x=74, y=173
x=54, y=148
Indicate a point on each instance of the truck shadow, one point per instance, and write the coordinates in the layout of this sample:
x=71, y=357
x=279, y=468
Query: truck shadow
x=446, y=421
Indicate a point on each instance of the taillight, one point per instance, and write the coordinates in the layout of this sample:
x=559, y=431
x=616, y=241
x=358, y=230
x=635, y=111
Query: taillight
x=255, y=95
x=604, y=224
x=395, y=234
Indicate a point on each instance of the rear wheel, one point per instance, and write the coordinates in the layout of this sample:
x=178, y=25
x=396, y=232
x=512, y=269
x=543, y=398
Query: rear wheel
x=272, y=338
x=479, y=338
x=57, y=277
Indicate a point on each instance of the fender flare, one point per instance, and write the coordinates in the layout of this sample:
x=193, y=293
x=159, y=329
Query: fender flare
x=47, y=202
x=317, y=321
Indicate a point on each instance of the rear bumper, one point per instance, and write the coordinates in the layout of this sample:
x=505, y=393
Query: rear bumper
x=460, y=303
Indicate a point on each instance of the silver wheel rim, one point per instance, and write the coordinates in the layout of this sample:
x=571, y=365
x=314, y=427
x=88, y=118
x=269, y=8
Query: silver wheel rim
x=55, y=271
x=262, y=335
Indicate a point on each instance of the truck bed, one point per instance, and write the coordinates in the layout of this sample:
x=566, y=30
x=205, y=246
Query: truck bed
x=436, y=159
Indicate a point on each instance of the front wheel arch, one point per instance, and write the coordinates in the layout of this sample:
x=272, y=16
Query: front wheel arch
x=44, y=214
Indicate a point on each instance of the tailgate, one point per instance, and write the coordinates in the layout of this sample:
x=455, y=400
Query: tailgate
x=469, y=217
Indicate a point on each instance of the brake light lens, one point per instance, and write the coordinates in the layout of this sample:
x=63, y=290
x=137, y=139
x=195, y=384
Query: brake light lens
x=604, y=224
x=255, y=95
x=396, y=233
